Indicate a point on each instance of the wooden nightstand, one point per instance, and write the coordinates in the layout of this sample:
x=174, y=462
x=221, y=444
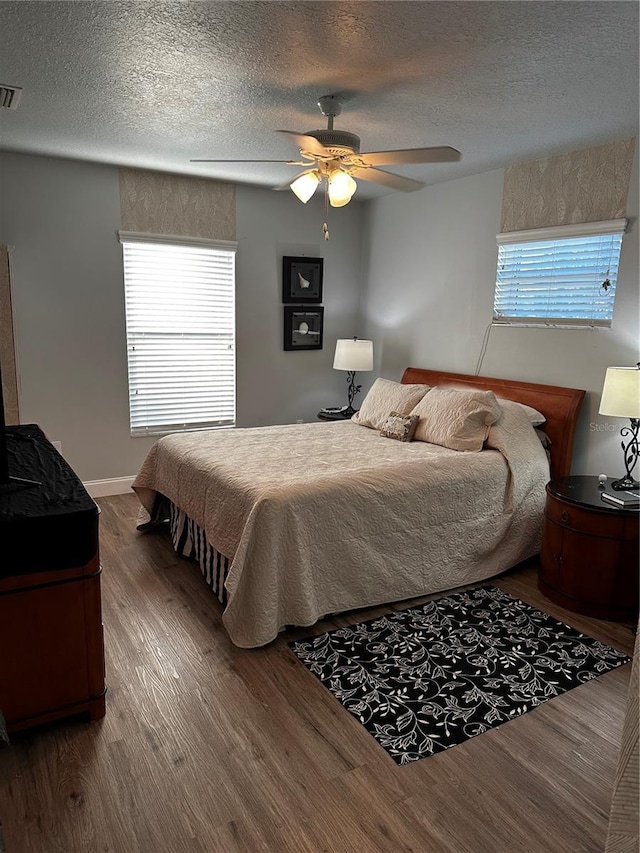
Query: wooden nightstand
x=589, y=556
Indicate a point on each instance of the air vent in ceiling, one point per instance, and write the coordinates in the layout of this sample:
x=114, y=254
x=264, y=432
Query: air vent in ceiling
x=10, y=97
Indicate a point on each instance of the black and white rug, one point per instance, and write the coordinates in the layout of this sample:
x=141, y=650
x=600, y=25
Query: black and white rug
x=425, y=679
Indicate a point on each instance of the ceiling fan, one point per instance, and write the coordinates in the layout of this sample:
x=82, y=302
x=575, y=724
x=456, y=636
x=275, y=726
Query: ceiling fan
x=335, y=155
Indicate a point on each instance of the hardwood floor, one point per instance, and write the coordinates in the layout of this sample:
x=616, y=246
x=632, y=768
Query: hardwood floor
x=206, y=747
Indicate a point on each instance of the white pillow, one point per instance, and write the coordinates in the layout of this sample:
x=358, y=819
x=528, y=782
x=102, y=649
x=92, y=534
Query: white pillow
x=536, y=418
x=456, y=419
x=384, y=397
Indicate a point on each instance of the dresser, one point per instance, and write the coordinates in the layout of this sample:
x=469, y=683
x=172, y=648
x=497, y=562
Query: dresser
x=589, y=555
x=51, y=643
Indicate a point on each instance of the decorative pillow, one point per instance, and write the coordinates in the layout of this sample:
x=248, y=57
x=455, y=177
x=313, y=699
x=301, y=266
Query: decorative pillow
x=456, y=419
x=387, y=396
x=536, y=418
x=399, y=427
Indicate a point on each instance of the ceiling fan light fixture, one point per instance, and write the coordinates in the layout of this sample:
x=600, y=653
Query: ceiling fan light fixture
x=341, y=188
x=305, y=186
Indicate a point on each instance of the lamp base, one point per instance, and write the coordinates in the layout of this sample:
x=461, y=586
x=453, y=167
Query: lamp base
x=624, y=484
x=631, y=452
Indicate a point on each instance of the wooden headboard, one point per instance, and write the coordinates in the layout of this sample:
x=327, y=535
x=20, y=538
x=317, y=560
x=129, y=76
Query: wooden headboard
x=559, y=405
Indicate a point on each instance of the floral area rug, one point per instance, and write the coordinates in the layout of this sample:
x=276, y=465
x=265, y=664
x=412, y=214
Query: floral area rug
x=425, y=679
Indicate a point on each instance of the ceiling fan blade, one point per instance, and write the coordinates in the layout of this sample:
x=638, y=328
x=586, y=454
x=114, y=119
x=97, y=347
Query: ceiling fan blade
x=443, y=154
x=306, y=143
x=288, y=162
x=394, y=182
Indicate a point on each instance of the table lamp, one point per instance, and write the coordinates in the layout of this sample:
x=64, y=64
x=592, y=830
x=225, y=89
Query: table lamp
x=351, y=355
x=621, y=399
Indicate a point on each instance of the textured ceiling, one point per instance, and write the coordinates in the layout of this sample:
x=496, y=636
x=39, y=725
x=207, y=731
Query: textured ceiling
x=155, y=84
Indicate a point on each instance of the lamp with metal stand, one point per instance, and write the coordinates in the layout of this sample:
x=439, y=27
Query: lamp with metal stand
x=351, y=355
x=621, y=398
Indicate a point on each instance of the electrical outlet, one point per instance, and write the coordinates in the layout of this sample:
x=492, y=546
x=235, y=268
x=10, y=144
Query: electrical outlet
x=300, y=421
x=58, y=446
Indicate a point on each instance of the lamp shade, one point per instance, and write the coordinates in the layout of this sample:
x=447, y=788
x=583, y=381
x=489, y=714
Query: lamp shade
x=353, y=354
x=621, y=392
x=305, y=186
x=341, y=188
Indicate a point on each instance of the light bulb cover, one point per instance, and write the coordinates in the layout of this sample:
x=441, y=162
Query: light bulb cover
x=341, y=188
x=305, y=186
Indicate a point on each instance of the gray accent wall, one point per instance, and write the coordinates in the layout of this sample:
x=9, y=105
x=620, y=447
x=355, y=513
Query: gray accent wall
x=430, y=263
x=62, y=216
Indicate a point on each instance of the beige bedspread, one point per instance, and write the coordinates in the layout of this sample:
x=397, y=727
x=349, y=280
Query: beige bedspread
x=326, y=517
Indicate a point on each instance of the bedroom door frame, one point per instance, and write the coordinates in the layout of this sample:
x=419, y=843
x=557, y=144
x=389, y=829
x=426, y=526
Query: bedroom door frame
x=10, y=372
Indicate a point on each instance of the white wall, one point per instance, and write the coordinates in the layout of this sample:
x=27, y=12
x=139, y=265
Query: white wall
x=428, y=298
x=275, y=386
x=62, y=217
x=427, y=269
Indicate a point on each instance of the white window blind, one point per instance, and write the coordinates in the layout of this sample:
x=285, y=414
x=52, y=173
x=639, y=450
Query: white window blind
x=558, y=276
x=180, y=307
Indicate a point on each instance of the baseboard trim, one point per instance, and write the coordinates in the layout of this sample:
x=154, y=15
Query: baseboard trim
x=112, y=486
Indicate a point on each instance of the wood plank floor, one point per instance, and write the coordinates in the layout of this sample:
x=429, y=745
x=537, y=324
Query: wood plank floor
x=206, y=747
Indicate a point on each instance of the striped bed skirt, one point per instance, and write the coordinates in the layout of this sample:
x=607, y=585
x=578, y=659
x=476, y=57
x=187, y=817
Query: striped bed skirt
x=190, y=541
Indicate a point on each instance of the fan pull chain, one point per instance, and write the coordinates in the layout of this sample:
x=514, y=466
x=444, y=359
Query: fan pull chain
x=325, y=224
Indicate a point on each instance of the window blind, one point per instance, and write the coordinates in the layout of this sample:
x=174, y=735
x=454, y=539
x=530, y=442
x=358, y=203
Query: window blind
x=180, y=314
x=558, y=276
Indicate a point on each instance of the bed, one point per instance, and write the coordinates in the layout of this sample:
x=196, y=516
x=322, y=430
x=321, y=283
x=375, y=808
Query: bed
x=290, y=523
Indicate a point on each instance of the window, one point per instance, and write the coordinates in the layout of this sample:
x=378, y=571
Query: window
x=559, y=276
x=180, y=306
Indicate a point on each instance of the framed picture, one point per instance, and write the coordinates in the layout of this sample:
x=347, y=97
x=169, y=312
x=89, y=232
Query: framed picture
x=302, y=279
x=303, y=328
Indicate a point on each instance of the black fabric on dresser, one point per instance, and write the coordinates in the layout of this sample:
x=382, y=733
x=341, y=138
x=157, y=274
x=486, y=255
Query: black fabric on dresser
x=48, y=526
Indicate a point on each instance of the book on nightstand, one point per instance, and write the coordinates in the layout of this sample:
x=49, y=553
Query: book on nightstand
x=628, y=499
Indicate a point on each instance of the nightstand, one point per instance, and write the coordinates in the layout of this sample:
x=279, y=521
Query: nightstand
x=589, y=556
x=334, y=416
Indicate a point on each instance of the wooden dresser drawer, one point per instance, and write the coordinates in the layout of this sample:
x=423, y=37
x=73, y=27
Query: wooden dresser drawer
x=51, y=640
x=588, y=521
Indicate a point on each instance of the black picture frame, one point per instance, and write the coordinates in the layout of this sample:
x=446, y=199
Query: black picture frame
x=302, y=279
x=303, y=327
